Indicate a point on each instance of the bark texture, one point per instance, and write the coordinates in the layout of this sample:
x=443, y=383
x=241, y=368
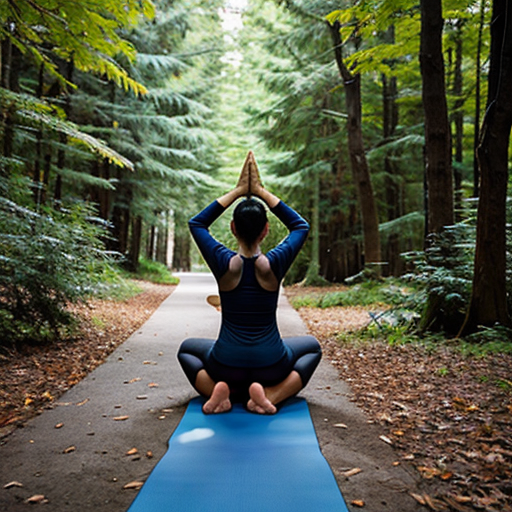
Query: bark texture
x=437, y=128
x=489, y=297
x=359, y=164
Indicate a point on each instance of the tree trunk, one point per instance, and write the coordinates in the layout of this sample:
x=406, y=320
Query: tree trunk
x=359, y=164
x=150, y=250
x=437, y=127
x=5, y=78
x=389, y=124
x=135, y=243
x=162, y=238
x=313, y=271
x=458, y=121
x=489, y=298
x=121, y=221
x=182, y=243
x=476, y=171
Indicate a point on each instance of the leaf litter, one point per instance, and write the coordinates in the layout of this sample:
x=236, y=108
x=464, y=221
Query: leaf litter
x=446, y=413
x=34, y=377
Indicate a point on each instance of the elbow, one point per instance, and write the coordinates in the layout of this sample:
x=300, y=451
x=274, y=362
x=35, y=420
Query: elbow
x=193, y=226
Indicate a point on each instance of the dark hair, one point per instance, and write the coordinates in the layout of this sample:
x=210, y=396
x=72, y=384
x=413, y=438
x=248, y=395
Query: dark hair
x=250, y=218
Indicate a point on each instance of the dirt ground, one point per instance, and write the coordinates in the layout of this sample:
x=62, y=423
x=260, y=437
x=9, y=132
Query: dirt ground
x=446, y=413
x=34, y=377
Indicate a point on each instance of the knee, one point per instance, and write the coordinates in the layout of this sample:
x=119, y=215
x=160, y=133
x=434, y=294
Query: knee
x=195, y=346
x=304, y=345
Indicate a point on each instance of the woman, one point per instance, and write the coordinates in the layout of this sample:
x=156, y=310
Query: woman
x=249, y=357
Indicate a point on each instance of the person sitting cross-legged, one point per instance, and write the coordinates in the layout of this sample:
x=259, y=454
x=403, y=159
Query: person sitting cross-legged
x=249, y=358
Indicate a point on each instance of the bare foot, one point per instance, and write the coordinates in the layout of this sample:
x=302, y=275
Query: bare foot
x=258, y=402
x=219, y=401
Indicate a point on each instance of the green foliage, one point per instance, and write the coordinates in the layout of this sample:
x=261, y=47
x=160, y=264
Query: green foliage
x=488, y=340
x=31, y=113
x=388, y=292
x=494, y=341
x=154, y=272
x=444, y=271
x=87, y=32
x=48, y=259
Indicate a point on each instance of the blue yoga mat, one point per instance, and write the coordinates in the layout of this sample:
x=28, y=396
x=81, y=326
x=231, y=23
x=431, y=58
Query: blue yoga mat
x=242, y=462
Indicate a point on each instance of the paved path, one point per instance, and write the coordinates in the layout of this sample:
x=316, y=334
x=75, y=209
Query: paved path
x=142, y=381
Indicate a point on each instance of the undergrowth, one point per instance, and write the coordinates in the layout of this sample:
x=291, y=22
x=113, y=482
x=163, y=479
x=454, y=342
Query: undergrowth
x=153, y=272
x=394, y=309
x=370, y=293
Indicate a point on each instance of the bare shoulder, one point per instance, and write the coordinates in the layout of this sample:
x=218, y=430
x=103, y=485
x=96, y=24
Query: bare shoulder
x=236, y=264
x=264, y=274
x=231, y=278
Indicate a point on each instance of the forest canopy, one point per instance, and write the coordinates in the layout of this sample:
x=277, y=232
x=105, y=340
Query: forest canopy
x=387, y=124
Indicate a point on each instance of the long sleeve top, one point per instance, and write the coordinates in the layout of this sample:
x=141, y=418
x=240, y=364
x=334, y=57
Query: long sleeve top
x=248, y=335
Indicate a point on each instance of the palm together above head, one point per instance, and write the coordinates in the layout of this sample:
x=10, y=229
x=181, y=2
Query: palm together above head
x=249, y=182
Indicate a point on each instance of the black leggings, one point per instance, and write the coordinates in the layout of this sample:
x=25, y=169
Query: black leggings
x=194, y=355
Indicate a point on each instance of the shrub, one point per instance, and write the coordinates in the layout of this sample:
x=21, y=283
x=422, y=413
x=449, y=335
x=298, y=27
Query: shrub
x=48, y=259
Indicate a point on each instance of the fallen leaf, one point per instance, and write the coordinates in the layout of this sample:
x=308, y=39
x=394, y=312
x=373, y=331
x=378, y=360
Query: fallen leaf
x=133, y=451
x=453, y=503
x=340, y=425
x=28, y=401
x=434, y=504
x=131, y=381
x=121, y=418
x=133, y=485
x=79, y=404
x=463, y=499
x=428, y=472
x=386, y=439
x=486, y=501
x=59, y=425
x=358, y=503
x=13, y=484
x=149, y=362
x=37, y=498
x=446, y=475
x=149, y=454
x=419, y=498
x=351, y=472
x=142, y=397
x=152, y=385
x=69, y=449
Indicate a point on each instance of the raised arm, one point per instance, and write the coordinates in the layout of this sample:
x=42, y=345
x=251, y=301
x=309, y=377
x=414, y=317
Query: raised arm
x=242, y=188
x=282, y=256
x=256, y=187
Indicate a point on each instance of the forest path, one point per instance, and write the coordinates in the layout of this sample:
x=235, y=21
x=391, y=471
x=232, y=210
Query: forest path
x=75, y=455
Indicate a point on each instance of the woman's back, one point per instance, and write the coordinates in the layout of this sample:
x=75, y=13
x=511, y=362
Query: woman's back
x=249, y=335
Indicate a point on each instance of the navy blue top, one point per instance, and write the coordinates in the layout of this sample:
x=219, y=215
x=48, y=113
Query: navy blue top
x=248, y=335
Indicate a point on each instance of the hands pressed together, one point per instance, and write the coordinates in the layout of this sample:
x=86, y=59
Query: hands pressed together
x=249, y=182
